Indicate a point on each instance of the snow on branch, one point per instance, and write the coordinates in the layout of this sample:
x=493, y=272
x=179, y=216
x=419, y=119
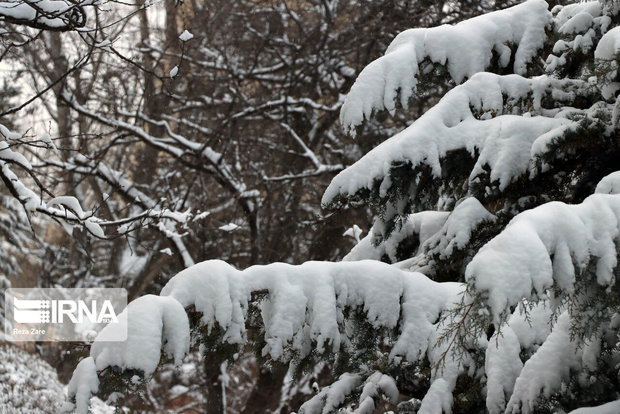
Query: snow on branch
x=305, y=311
x=306, y=302
x=466, y=49
x=422, y=226
x=65, y=209
x=151, y=210
x=608, y=47
x=332, y=397
x=546, y=369
x=68, y=211
x=548, y=247
x=61, y=15
x=607, y=55
x=82, y=385
x=608, y=408
x=152, y=323
x=533, y=282
x=456, y=232
x=476, y=116
x=515, y=387
x=610, y=184
x=503, y=364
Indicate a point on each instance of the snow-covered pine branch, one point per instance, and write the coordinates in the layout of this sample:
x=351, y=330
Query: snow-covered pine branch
x=564, y=259
x=305, y=310
x=549, y=248
x=308, y=311
x=547, y=276
x=514, y=35
x=498, y=138
x=480, y=117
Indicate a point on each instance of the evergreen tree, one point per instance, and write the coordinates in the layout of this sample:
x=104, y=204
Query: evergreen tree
x=497, y=212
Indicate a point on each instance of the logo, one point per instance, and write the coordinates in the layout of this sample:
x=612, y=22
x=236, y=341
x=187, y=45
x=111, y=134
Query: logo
x=38, y=311
x=64, y=314
x=31, y=311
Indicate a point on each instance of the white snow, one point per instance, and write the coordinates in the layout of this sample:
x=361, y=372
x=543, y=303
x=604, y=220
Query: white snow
x=302, y=313
x=185, y=36
x=423, y=224
x=579, y=23
x=33, y=12
x=546, y=369
x=68, y=202
x=94, y=227
x=609, y=45
x=73, y=210
x=503, y=362
x=153, y=323
x=312, y=294
x=502, y=367
x=330, y=398
x=83, y=384
x=606, y=56
x=438, y=398
x=609, y=408
x=457, y=229
x=504, y=142
x=353, y=232
x=28, y=384
x=609, y=184
x=517, y=264
x=6, y=154
x=27, y=197
x=229, y=227
x=174, y=71
x=99, y=407
x=8, y=134
x=443, y=379
x=533, y=325
x=566, y=13
x=466, y=48
x=49, y=143
x=376, y=384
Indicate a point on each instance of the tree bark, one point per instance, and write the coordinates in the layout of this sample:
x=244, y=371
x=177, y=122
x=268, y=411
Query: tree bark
x=266, y=394
x=214, y=401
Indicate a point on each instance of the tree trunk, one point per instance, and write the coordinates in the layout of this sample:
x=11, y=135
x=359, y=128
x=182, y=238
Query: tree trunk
x=145, y=156
x=214, y=403
x=266, y=394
